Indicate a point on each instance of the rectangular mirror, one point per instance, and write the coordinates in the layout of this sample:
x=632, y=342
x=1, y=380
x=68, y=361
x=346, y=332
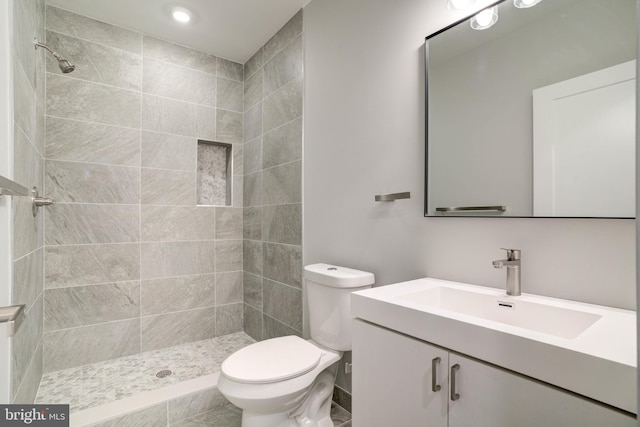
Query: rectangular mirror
x=533, y=116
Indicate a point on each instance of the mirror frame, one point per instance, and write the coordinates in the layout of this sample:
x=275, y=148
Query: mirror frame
x=426, y=133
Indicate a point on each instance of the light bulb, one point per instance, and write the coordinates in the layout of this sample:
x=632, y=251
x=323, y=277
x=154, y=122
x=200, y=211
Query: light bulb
x=485, y=19
x=459, y=4
x=181, y=15
x=522, y=4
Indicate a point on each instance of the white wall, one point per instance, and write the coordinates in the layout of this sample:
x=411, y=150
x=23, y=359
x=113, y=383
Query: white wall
x=6, y=166
x=364, y=135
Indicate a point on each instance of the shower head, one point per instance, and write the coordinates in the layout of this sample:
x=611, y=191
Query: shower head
x=65, y=66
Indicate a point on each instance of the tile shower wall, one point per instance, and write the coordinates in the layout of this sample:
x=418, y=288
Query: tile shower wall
x=131, y=262
x=28, y=94
x=272, y=185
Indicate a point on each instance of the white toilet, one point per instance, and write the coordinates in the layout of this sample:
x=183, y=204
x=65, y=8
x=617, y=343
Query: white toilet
x=288, y=381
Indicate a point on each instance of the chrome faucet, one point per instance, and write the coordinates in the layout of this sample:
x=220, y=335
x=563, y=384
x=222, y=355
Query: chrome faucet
x=512, y=264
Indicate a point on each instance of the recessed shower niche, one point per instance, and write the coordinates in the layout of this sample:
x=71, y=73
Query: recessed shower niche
x=214, y=173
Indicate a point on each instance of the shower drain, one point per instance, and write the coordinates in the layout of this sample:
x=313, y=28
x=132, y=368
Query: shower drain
x=164, y=373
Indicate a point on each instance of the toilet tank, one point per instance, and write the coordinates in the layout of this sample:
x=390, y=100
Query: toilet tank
x=328, y=293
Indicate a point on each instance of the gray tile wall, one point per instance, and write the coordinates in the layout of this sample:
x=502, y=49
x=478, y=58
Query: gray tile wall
x=28, y=235
x=131, y=262
x=272, y=212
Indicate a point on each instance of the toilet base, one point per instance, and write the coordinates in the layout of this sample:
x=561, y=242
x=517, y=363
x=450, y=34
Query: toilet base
x=281, y=419
x=313, y=411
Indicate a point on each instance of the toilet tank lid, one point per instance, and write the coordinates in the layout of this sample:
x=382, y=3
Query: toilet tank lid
x=338, y=277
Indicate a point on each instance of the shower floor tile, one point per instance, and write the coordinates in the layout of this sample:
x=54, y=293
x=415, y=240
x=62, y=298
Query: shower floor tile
x=88, y=386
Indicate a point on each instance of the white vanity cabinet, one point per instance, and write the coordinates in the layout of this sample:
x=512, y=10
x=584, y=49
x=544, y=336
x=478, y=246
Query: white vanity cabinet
x=392, y=380
x=393, y=386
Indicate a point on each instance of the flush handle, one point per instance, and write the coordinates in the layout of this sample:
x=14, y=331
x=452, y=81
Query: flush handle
x=434, y=374
x=454, y=396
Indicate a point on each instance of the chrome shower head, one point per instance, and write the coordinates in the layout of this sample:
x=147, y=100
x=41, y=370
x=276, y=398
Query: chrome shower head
x=65, y=66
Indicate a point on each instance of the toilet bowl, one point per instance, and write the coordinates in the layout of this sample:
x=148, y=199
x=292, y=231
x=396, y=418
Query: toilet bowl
x=288, y=381
x=281, y=382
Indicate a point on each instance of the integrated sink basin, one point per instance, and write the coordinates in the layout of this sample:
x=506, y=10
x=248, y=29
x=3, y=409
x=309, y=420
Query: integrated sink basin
x=495, y=306
x=584, y=348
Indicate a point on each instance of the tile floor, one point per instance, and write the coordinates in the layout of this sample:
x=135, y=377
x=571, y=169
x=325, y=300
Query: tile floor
x=230, y=416
x=88, y=386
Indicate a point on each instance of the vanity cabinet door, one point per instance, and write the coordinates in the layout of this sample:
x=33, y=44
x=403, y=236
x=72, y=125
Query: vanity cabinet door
x=392, y=380
x=493, y=397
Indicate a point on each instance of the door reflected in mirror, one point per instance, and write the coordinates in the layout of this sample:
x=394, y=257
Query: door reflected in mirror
x=535, y=115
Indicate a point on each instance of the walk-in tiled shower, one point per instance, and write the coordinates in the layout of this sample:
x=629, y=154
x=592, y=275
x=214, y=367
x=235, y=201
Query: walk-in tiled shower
x=139, y=265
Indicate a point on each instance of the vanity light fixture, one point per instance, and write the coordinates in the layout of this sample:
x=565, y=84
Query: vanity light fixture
x=523, y=4
x=181, y=14
x=485, y=18
x=459, y=4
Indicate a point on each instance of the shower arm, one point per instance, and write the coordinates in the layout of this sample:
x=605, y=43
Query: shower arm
x=37, y=44
x=64, y=65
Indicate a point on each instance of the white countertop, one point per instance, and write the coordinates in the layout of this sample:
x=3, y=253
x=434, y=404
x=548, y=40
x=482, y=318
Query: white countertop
x=599, y=363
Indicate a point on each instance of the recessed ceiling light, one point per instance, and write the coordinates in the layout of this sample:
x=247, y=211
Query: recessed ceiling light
x=181, y=14
x=459, y=4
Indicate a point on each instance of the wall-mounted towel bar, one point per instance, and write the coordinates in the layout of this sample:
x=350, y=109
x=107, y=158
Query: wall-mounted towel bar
x=392, y=197
x=12, y=188
x=13, y=317
x=473, y=209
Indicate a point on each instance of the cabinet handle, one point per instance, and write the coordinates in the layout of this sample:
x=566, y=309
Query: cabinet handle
x=454, y=396
x=434, y=374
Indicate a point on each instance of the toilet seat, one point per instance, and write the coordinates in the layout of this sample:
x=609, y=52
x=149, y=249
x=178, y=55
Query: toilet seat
x=272, y=360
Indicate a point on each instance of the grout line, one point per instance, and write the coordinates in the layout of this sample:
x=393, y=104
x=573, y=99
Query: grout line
x=113, y=282
x=283, y=125
x=15, y=60
x=27, y=254
x=31, y=143
x=66, y=245
x=115, y=204
x=140, y=92
x=293, y=38
x=146, y=243
x=184, y=67
x=296, y=288
x=110, y=322
x=281, y=322
x=91, y=163
x=231, y=111
x=67, y=77
x=85, y=285
x=269, y=206
x=93, y=123
x=131, y=319
x=191, y=171
x=276, y=166
x=273, y=243
x=128, y=30
x=166, y=313
x=298, y=79
x=96, y=123
x=140, y=208
x=28, y=368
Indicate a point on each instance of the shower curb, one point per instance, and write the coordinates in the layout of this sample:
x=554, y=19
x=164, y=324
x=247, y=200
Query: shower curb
x=130, y=405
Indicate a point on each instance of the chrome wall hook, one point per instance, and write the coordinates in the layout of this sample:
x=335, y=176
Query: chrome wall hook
x=39, y=201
